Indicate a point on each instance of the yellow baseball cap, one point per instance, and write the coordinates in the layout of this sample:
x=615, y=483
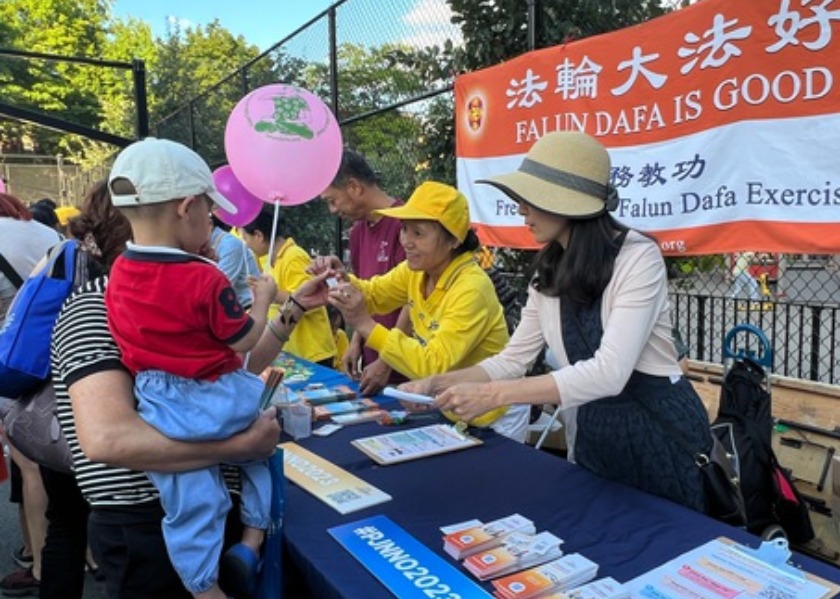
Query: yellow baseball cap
x=65, y=213
x=438, y=202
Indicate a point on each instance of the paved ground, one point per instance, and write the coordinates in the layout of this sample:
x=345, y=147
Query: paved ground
x=10, y=540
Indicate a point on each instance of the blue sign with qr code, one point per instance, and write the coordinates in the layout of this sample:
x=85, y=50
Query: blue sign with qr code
x=402, y=563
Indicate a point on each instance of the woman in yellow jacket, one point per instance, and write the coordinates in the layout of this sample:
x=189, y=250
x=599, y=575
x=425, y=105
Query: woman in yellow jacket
x=456, y=317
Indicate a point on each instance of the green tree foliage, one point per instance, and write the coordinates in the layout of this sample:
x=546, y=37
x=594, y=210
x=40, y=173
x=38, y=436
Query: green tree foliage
x=191, y=62
x=64, y=90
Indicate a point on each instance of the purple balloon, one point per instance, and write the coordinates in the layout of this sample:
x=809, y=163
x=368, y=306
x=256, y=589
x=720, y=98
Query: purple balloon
x=247, y=204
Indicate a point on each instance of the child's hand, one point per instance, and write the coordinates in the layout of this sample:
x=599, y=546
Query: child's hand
x=263, y=287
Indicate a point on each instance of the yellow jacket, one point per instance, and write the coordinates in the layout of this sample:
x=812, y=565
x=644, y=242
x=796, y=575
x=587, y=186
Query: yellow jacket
x=458, y=325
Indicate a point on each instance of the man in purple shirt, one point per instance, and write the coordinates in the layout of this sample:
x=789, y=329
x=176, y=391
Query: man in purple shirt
x=374, y=250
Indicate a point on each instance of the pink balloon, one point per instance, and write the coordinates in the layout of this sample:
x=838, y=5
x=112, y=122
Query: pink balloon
x=283, y=143
x=2, y=185
x=248, y=205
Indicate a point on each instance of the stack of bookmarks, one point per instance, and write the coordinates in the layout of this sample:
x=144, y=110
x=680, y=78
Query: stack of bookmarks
x=531, y=564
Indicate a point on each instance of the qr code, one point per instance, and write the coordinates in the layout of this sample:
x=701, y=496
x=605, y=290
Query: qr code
x=344, y=497
x=772, y=592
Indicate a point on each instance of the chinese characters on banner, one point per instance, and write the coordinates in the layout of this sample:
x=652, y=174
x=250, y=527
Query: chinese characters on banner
x=722, y=121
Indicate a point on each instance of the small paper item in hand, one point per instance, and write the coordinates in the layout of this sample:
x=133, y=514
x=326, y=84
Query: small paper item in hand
x=519, y=551
x=466, y=542
x=556, y=576
x=406, y=396
x=332, y=282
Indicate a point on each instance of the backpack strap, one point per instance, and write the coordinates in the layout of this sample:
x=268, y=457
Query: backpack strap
x=10, y=272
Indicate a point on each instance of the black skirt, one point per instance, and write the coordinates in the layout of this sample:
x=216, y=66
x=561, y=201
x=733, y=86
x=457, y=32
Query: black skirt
x=618, y=439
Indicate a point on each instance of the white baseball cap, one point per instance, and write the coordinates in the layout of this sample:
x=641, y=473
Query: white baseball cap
x=162, y=170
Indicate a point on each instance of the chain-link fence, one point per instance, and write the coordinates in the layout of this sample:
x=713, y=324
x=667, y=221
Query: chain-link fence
x=366, y=57
x=32, y=177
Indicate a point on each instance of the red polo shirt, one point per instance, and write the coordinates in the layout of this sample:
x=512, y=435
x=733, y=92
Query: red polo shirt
x=175, y=312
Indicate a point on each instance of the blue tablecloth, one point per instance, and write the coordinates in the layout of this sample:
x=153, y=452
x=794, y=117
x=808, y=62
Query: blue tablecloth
x=625, y=531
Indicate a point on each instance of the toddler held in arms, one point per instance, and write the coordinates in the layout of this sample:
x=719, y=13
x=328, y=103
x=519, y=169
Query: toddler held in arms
x=180, y=328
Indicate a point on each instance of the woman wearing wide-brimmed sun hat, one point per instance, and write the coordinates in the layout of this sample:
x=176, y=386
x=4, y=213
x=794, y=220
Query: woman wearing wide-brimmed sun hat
x=599, y=301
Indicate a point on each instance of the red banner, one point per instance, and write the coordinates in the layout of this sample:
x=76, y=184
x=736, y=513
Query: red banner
x=722, y=121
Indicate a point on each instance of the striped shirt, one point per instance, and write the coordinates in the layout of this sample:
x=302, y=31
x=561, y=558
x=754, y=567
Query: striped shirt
x=82, y=345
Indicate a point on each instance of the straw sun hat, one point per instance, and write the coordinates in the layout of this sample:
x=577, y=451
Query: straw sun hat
x=565, y=173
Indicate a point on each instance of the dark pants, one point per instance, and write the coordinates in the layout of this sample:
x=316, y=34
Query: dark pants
x=63, y=556
x=128, y=546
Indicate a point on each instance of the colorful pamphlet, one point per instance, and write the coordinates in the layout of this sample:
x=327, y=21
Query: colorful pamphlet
x=359, y=417
x=296, y=370
x=334, y=486
x=411, y=444
x=723, y=568
x=561, y=574
x=328, y=410
x=317, y=395
x=519, y=551
x=464, y=543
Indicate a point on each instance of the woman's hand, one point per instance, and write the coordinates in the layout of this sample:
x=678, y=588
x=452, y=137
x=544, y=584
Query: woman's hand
x=374, y=377
x=424, y=386
x=351, y=303
x=468, y=401
x=352, y=357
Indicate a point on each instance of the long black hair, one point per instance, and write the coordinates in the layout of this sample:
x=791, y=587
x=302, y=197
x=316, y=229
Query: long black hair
x=581, y=271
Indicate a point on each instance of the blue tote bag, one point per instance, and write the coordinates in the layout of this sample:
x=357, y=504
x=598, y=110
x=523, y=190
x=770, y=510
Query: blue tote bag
x=27, y=330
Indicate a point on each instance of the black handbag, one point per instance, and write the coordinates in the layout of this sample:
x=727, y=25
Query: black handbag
x=724, y=499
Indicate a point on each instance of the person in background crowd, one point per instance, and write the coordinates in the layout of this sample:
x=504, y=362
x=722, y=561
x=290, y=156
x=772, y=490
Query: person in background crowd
x=46, y=216
x=456, y=317
x=23, y=243
x=599, y=301
x=743, y=283
x=375, y=248
x=235, y=260
x=65, y=214
x=313, y=338
x=48, y=202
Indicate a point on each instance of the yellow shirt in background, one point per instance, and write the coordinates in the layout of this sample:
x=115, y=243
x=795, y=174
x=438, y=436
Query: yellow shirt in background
x=312, y=338
x=458, y=325
x=341, y=345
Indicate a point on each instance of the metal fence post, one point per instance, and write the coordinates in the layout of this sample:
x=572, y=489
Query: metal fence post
x=138, y=72
x=814, y=357
x=701, y=327
x=334, y=101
